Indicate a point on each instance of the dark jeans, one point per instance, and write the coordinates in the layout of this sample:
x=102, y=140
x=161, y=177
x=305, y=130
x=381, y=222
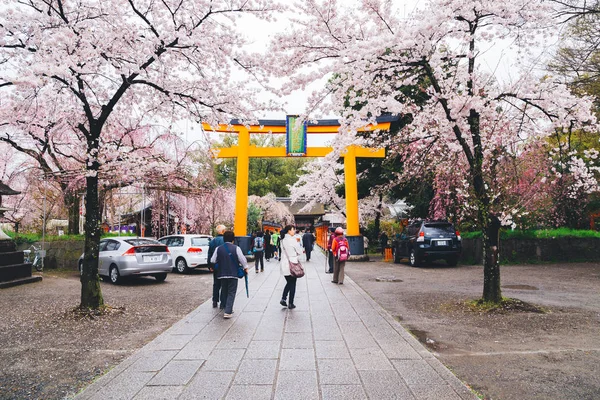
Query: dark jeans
x=259, y=257
x=228, y=290
x=330, y=260
x=308, y=250
x=268, y=251
x=290, y=287
x=216, y=288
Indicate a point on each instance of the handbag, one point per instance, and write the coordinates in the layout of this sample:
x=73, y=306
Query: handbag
x=296, y=269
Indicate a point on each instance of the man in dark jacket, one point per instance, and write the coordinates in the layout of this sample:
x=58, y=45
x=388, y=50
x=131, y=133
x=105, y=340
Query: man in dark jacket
x=268, y=251
x=227, y=258
x=308, y=239
x=216, y=242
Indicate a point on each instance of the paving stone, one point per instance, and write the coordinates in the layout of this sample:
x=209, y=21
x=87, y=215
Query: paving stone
x=385, y=385
x=176, y=373
x=197, y=349
x=343, y=392
x=301, y=385
x=462, y=390
x=434, y=392
x=399, y=349
x=337, y=372
x=187, y=328
x=263, y=349
x=297, y=340
x=331, y=349
x=171, y=342
x=224, y=360
x=417, y=372
x=370, y=359
x=298, y=322
x=297, y=360
x=207, y=385
x=269, y=330
x=252, y=392
x=256, y=372
x=159, y=393
x=153, y=361
x=124, y=386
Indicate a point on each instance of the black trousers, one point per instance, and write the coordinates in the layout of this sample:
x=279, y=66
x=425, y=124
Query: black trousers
x=330, y=261
x=259, y=258
x=228, y=290
x=290, y=287
x=308, y=250
x=268, y=251
x=216, y=288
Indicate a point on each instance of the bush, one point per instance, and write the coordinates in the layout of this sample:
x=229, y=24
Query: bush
x=538, y=234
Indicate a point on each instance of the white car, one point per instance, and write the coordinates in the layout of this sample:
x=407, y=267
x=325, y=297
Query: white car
x=188, y=251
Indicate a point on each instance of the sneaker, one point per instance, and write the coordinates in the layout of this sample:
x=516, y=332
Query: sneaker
x=334, y=281
x=291, y=306
x=283, y=303
x=262, y=270
x=340, y=283
x=257, y=271
x=227, y=316
x=215, y=304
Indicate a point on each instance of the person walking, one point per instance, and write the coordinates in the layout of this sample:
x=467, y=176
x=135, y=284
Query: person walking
x=329, y=252
x=308, y=240
x=275, y=243
x=228, y=258
x=214, y=243
x=259, y=250
x=268, y=252
x=290, y=251
x=341, y=249
x=383, y=240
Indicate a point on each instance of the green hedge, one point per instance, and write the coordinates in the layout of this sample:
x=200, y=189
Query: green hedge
x=538, y=234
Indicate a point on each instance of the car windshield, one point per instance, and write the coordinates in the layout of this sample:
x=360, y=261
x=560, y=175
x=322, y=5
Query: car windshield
x=200, y=241
x=139, y=242
x=436, y=228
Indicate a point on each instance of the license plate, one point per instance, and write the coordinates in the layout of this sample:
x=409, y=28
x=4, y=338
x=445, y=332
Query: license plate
x=152, y=258
x=441, y=243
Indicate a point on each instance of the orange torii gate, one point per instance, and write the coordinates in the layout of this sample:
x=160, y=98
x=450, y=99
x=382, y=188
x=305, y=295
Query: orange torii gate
x=244, y=151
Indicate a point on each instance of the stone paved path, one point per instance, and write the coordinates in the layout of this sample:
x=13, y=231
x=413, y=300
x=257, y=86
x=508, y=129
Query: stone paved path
x=337, y=344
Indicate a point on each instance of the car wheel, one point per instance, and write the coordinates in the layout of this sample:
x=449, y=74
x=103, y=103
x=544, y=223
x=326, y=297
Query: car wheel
x=160, y=277
x=412, y=258
x=452, y=261
x=115, y=277
x=181, y=265
x=397, y=257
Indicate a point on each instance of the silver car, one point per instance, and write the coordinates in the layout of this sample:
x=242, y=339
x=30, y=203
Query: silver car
x=189, y=251
x=132, y=256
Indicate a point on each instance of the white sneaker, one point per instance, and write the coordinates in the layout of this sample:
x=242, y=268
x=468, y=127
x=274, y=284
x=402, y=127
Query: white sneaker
x=227, y=316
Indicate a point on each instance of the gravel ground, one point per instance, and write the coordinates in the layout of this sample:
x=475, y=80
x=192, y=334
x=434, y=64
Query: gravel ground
x=508, y=355
x=48, y=353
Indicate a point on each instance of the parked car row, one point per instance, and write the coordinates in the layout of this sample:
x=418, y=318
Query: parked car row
x=119, y=257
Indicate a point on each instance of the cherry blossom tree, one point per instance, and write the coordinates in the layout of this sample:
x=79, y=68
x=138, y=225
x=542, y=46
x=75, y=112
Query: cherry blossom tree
x=104, y=61
x=463, y=119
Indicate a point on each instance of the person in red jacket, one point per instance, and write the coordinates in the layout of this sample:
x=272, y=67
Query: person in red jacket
x=340, y=248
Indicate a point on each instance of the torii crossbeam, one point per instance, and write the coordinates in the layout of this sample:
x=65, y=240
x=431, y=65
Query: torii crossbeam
x=244, y=151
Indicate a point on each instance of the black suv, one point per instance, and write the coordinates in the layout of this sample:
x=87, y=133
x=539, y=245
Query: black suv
x=423, y=241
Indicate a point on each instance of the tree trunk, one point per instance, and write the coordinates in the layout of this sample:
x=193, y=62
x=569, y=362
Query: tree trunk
x=491, y=260
x=72, y=204
x=91, y=293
